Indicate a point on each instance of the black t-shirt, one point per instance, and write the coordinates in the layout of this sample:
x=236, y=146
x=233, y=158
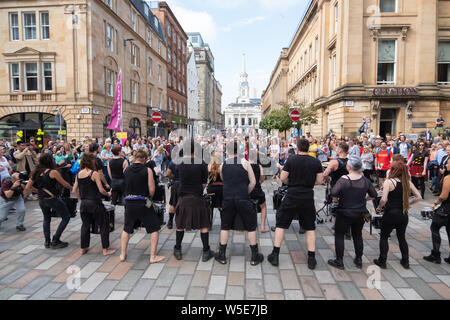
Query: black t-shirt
x=352, y=195
x=419, y=158
x=152, y=165
x=303, y=170
x=99, y=164
x=173, y=167
x=192, y=178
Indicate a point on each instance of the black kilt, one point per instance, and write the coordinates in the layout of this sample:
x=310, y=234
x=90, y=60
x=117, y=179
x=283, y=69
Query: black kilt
x=192, y=213
x=174, y=193
x=259, y=195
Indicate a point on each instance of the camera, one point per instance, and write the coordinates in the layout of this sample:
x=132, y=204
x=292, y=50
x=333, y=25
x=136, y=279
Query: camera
x=23, y=177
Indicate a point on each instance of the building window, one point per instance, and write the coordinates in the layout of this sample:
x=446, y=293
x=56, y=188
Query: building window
x=229, y=121
x=135, y=55
x=334, y=73
x=317, y=49
x=169, y=31
x=170, y=104
x=15, y=77
x=149, y=37
x=133, y=20
x=159, y=47
x=310, y=54
x=169, y=79
x=135, y=125
x=45, y=26
x=14, y=26
x=236, y=120
x=109, y=3
x=386, y=61
x=174, y=60
x=134, y=91
x=109, y=38
x=169, y=55
x=159, y=73
x=388, y=5
x=31, y=75
x=109, y=82
x=336, y=17
x=242, y=121
x=29, y=26
x=249, y=121
x=444, y=63
x=160, y=100
x=150, y=67
x=150, y=97
x=47, y=71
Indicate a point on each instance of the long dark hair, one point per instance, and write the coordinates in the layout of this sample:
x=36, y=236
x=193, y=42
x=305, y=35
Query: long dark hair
x=46, y=161
x=400, y=170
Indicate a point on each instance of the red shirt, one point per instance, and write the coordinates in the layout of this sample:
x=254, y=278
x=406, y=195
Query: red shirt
x=384, y=159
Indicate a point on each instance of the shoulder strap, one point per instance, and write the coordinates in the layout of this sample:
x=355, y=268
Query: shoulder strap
x=348, y=177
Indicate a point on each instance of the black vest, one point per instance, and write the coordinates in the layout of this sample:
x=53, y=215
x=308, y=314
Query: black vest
x=235, y=181
x=341, y=171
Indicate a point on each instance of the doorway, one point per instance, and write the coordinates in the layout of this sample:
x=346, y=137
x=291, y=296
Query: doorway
x=388, y=119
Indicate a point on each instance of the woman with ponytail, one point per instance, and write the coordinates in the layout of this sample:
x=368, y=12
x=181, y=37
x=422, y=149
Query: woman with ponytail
x=396, y=191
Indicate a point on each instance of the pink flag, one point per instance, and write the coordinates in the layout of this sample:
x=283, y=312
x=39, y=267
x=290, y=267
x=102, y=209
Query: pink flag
x=116, y=114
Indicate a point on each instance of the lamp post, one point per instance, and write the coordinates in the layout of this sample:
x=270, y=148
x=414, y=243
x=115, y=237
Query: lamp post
x=60, y=125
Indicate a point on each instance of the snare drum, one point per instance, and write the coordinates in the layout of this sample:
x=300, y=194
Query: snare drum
x=110, y=220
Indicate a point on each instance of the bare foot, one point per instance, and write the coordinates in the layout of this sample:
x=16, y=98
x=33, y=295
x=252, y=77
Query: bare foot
x=108, y=252
x=84, y=251
x=123, y=257
x=264, y=230
x=156, y=259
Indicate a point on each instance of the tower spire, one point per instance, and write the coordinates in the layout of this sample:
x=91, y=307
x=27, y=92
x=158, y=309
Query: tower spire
x=243, y=63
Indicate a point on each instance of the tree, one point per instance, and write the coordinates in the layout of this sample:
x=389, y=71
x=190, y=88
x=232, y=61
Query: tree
x=280, y=119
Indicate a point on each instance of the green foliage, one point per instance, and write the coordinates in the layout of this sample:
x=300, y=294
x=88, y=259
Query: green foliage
x=280, y=119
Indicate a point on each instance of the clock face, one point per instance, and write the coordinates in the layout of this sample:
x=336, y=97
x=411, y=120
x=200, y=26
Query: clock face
x=243, y=85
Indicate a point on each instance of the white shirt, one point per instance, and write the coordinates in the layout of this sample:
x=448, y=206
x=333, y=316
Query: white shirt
x=5, y=173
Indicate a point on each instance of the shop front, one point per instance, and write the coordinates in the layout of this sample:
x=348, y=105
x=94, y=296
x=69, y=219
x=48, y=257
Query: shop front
x=53, y=126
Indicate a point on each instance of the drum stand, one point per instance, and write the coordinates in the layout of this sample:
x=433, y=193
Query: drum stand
x=326, y=207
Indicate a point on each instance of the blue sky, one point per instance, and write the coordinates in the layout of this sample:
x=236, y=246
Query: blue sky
x=258, y=28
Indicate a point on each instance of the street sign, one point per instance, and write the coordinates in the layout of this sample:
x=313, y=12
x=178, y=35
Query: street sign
x=156, y=117
x=85, y=110
x=62, y=132
x=295, y=115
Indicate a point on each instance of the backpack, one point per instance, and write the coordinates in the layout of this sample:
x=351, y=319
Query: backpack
x=76, y=167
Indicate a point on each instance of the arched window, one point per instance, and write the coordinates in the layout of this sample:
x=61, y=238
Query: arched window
x=106, y=132
x=135, y=126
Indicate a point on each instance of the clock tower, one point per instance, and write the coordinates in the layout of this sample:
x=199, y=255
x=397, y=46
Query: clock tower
x=244, y=96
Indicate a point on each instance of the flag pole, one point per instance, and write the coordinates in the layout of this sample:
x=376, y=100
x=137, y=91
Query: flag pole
x=121, y=103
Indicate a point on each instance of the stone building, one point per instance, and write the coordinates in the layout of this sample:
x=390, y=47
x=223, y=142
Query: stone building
x=387, y=60
x=63, y=57
x=192, y=93
x=208, y=91
x=176, y=68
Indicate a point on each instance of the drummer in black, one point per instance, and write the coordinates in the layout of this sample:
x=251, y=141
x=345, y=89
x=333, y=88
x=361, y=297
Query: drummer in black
x=258, y=193
x=172, y=173
x=238, y=182
x=300, y=172
x=215, y=183
x=139, y=188
x=192, y=212
x=116, y=167
x=88, y=188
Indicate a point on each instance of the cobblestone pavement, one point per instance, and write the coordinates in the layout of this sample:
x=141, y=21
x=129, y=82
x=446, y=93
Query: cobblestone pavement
x=29, y=271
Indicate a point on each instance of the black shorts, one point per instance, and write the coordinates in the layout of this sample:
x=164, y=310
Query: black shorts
x=242, y=208
x=381, y=173
x=174, y=193
x=302, y=209
x=136, y=213
x=259, y=195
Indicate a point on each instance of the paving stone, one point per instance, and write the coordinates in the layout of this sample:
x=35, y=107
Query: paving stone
x=46, y=291
x=217, y=285
x=89, y=269
x=153, y=271
x=324, y=277
x=188, y=237
x=92, y=282
x=196, y=293
x=332, y=292
x=63, y=292
x=157, y=293
x=237, y=264
x=294, y=295
x=30, y=248
x=141, y=289
x=310, y=287
x=136, y=238
x=254, y=289
x=19, y=297
x=393, y=277
x=371, y=294
x=350, y=291
x=409, y=294
x=442, y=289
x=424, y=274
x=272, y=283
x=48, y=263
x=220, y=269
x=253, y=272
x=402, y=272
x=445, y=279
x=205, y=266
x=423, y=289
x=234, y=293
x=289, y=279
x=120, y=271
x=201, y=278
x=166, y=277
x=187, y=267
x=118, y=295
x=389, y=292
x=180, y=285
x=35, y=285
x=236, y=278
x=129, y=280
x=13, y=276
x=303, y=270
x=6, y=293
x=274, y=296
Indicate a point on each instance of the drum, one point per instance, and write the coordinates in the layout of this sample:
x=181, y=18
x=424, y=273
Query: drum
x=110, y=220
x=160, y=209
x=376, y=221
x=71, y=204
x=426, y=213
x=160, y=193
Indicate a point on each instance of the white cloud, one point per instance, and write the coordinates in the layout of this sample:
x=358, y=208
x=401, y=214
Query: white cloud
x=196, y=21
x=242, y=23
